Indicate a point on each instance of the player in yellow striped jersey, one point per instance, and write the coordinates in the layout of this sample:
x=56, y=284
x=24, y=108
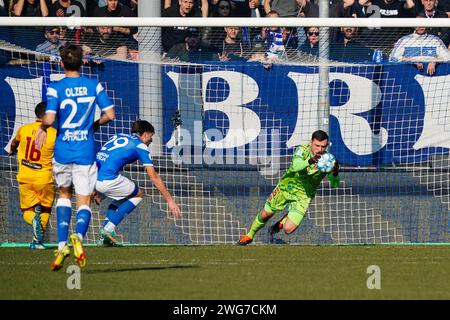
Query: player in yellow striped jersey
x=37, y=191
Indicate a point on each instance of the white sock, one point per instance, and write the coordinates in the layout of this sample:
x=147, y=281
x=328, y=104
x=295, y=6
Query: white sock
x=61, y=245
x=110, y=227
x=80, y=236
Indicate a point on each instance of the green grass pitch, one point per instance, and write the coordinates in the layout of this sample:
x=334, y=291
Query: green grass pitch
x=280, y=272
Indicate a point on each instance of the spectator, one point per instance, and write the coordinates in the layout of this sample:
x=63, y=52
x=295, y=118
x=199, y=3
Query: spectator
x=5, y=35
x=222, y=9
x=245, y=8
x=134, y=7
x=28, y=37
x=192, y=50
x=114, y=9
x=390, y=8
x=285, y=8
x=214, y=35
x=273, y=39
x=444, y=5
x=385, y=37
x=231, y=47
x=311, y=44
x=53, y=43
x=173, y=35
x=3, y=11
x=430, y=11
x=91, y=6
x=348, y=49
x=420, y=47
x=289, y=37
x=67, y=8
x=346, y=9
x=258, y=54
x=308, y=9
x=197, y=8
x=104, y=43
x=30, y=8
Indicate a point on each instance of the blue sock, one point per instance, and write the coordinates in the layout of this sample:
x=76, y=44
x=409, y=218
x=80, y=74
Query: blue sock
x=63, y=215
x=83, y=219
x=124, y=209
x=111, y=211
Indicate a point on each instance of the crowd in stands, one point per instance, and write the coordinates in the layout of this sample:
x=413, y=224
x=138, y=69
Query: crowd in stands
x=234, y=43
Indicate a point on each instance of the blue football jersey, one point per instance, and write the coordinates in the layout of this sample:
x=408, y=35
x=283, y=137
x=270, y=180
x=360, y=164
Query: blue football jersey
x=120, y=150
x=74, y=101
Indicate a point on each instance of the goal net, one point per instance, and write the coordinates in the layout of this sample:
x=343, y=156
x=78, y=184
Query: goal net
x=229, y=113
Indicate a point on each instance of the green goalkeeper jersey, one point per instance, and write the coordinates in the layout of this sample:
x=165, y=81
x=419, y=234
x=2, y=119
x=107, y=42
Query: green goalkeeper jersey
x=302, y=178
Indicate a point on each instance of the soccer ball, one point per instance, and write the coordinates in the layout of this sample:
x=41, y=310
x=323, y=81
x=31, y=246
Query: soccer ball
x=326, y=162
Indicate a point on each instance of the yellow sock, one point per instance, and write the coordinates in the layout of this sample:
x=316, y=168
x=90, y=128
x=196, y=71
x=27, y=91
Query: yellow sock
x=28, y=216
x=44, y=220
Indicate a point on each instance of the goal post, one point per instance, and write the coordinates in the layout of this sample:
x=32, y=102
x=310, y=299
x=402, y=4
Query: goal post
x=228, y=129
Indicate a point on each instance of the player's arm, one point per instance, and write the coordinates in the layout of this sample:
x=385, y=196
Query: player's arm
x=107, y=107
x=159, y=184
x=41, y=133
x=107, y=116
x=333, y=176
x=13, y=147
x=299, y=163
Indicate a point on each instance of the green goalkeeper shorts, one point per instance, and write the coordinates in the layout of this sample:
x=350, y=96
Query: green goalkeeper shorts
x=298, y=204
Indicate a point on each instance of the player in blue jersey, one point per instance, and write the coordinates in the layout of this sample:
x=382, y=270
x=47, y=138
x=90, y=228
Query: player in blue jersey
x=73, y=100
x=120, y=150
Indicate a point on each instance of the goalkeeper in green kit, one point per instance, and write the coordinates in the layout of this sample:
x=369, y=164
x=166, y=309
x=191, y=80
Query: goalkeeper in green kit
x=297, y=188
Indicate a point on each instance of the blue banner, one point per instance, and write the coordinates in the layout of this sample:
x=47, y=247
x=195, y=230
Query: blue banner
x=379, y=115
x=390, y=114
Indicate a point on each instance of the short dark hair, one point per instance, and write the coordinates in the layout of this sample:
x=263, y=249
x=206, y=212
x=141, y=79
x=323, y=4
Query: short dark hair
x=71, y=56
x=39, y=111
x=319, y=135
x=141, y=126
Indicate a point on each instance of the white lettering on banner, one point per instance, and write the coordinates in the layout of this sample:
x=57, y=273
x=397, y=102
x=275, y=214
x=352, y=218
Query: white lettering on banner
x=355, y=130
x=175, y=138
x=244, y=124
x=435, y=132
x=30, y=93
x=308, y=103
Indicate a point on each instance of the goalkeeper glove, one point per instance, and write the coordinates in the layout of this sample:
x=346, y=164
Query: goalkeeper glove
x=314, y=159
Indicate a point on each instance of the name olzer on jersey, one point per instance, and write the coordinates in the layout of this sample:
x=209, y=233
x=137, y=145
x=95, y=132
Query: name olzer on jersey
x=76, y=91
x=76, y=135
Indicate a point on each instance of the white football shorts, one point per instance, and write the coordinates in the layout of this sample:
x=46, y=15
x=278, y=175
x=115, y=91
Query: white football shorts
x=116, y=189
x=83, y=177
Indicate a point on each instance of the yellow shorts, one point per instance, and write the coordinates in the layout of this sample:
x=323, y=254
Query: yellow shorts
x=33, y=194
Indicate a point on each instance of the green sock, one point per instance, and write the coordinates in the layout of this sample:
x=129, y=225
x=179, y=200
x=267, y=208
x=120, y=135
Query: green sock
x=256, y=226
